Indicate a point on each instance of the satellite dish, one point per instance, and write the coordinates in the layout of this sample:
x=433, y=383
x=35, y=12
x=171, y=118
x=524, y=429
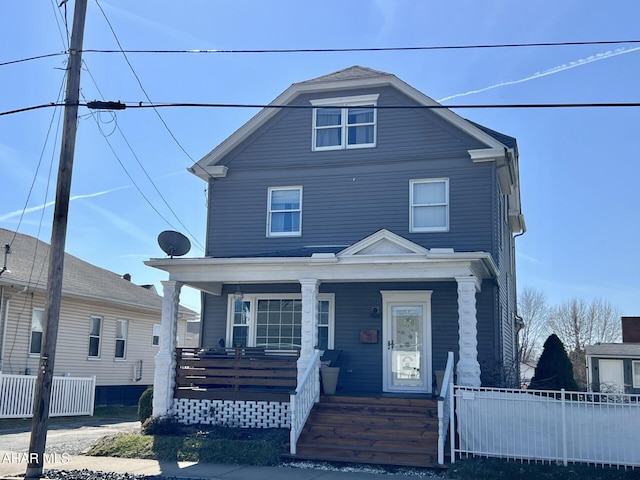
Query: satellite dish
x=173, y=243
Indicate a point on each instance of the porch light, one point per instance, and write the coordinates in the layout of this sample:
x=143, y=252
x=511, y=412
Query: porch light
x=238, y=295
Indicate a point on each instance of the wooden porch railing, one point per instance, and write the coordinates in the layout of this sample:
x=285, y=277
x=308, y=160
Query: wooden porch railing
x=236, y=374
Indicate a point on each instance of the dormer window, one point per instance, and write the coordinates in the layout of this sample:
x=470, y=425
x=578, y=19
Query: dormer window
x=346, y=122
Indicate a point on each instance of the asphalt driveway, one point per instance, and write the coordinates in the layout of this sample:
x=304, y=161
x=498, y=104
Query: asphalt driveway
x=71, y=437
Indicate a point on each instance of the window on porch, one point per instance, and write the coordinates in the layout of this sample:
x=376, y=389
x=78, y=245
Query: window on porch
x=275, y=322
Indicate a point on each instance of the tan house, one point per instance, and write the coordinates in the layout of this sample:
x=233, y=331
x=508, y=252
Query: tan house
x=109, y=327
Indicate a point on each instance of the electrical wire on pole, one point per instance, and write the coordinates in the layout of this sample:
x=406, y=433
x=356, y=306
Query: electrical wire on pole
x=42, y=398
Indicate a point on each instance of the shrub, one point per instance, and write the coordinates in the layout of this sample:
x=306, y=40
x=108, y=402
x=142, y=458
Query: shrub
x=165, y=425
x=554, y=370
x=145, y=405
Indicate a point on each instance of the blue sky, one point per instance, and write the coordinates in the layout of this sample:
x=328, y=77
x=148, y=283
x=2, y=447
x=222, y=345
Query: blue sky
x=579, y=167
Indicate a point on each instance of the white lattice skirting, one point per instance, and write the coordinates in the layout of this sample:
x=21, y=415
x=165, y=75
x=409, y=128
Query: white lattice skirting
x=229, y=413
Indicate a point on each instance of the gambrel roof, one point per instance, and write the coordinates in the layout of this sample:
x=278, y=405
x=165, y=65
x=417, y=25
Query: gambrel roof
x=498, y=148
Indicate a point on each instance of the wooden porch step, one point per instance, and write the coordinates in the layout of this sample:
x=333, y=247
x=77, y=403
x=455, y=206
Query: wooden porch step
x=378, y=430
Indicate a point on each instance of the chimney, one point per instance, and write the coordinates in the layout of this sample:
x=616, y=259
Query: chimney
x=127, y=277
x=630, y=329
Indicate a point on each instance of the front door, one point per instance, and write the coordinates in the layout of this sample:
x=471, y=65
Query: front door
x=407, y=341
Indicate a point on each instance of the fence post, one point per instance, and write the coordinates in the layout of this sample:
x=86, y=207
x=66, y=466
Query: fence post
x=452, y=421
x=564, y=428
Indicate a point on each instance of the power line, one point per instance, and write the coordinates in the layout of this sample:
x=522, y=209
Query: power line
x=117, y=126
x=141, y=105
x=377, y=49
x=340, y=50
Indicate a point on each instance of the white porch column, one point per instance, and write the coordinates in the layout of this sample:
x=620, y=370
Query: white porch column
x=164, y=378
x=309, y=290
x=468, y=368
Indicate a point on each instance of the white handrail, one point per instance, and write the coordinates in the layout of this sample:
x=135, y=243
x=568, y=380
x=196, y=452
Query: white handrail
x=302, y=400
x=444, y=407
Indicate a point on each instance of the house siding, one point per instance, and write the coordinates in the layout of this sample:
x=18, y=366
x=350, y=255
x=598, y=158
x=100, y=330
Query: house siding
x=361, y=363
x=72, y=344
x=627, y=366
x=349, y=194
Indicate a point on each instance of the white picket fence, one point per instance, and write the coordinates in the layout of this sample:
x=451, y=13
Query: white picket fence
x=70, y=396
x=550, y=426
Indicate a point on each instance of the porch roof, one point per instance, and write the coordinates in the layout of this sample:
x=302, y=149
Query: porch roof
x=383, y=256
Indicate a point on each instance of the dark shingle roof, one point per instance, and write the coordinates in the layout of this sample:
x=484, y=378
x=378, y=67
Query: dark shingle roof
x=28, y=264
x=297, y=252
x=351, y=73
x=501, y=137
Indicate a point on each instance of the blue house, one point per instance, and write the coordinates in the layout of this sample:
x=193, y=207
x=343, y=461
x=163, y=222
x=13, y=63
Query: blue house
x=350, y=215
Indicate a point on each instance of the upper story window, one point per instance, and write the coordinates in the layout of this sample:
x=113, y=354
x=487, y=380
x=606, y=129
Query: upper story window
x=284, y=212
x=347, y=122
x=37, y=321
x=429, y=205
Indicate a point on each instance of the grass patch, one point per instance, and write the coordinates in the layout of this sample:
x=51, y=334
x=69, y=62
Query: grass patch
x=216, y=445
x=496, y=469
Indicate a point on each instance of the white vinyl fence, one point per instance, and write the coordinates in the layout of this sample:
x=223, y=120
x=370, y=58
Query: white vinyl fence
x=69, y=396
x=548, y=426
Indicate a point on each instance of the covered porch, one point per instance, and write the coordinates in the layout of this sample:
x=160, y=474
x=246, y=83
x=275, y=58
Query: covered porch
x=403, y=274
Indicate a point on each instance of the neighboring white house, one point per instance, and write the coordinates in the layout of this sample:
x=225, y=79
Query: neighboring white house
x=615, y=367
x=109, y=327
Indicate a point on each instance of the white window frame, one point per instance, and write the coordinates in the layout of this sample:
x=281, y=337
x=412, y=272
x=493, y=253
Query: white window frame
x=40, y=311
x=99, y=337
x=253, y=314
x=635, y=370
x=412, y=205
x=344, y=103
x=123, y=339
x=270, y=211
x=155, y=334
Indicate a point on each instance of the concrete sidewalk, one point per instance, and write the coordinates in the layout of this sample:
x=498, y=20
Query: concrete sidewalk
x=13, y=466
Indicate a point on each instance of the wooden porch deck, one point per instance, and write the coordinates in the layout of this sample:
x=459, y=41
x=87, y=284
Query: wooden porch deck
x=387, y=430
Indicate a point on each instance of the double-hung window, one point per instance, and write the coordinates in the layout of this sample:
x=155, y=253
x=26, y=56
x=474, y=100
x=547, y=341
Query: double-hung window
x=37, y=321
x=121, y=339
x=636, y=374
x=284, y=212
x=155, y=338
x=429, y=205
x=347, y=122
x=95, y=331
x=275, y=321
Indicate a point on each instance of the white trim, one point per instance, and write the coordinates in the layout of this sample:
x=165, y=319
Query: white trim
x=446, y=204
x=367, y=246
x=89, y=356
x=344, y=103
x=253, y=298
x=635, y=367
x=297, y=233
x=391, y=298
x=297, y=89
x=125, y=339
x=33, y=311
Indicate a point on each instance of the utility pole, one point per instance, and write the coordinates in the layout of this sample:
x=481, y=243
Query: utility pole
x=42, y=397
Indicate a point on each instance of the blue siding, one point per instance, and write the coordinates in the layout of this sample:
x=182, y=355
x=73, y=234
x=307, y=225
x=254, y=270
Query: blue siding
x=361, y=363
x=349, y=194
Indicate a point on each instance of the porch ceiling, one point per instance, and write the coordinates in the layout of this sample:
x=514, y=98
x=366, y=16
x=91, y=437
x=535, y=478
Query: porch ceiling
x=209, y=274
